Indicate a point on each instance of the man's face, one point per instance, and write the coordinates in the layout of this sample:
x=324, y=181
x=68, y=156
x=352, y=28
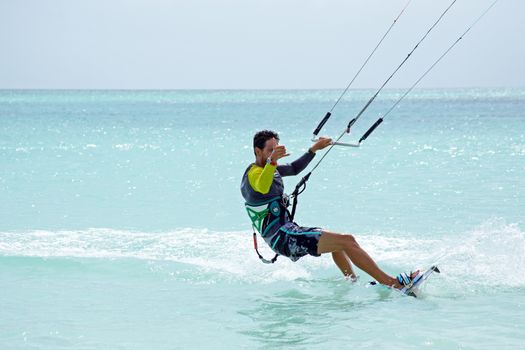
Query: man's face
x=268, y=148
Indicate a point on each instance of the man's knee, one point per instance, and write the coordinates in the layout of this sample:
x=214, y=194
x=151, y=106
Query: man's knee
x=350, y=241
x=333, y=242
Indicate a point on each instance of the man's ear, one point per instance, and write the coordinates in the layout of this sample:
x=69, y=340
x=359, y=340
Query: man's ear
x=258, y=151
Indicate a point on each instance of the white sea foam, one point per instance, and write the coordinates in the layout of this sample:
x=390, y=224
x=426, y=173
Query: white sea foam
x=489, y=255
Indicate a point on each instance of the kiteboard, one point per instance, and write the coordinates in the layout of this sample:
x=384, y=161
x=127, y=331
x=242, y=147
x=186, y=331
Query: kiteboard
x=414, y=288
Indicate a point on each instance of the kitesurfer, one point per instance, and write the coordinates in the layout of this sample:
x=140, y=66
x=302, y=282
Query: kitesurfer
x=263, y=190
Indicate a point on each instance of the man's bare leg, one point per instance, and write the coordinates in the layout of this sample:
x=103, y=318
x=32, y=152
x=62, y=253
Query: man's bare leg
x=343, y=263
x=335, y=242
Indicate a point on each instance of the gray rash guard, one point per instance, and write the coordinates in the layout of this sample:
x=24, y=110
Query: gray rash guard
x=276, y=189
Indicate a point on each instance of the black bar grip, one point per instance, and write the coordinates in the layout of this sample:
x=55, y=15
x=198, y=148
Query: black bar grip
x=369, y=131
x=322, y=123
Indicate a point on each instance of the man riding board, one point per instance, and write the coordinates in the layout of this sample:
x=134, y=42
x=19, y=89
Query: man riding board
x=263, y=190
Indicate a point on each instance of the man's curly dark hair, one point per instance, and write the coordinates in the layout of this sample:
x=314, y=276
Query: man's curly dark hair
x=260, y=138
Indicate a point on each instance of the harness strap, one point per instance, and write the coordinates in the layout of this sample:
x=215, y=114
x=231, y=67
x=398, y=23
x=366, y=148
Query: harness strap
x=274, y=259
x=258, y=216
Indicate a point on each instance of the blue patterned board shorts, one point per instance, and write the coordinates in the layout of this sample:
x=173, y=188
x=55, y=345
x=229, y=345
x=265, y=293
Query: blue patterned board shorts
x=294, y=241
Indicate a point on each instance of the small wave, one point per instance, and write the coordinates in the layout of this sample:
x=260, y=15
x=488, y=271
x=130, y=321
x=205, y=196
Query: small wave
x=490, y=255
x=226, y=253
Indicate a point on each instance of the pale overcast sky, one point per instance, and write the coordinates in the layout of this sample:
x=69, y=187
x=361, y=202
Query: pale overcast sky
x=236, y=44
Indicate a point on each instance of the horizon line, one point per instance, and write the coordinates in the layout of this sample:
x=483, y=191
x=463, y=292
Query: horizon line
x=255, y=89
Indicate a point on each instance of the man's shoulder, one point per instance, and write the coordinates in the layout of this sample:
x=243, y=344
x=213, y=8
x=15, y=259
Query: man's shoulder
x=254, y=169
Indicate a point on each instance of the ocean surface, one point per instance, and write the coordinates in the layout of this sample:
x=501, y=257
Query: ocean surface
x=122, y=225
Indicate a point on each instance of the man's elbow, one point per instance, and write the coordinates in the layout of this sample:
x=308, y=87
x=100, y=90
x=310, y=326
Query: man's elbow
x=262, y=189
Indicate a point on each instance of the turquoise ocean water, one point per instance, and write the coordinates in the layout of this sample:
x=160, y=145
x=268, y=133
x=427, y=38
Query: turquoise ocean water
x=122, y=225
